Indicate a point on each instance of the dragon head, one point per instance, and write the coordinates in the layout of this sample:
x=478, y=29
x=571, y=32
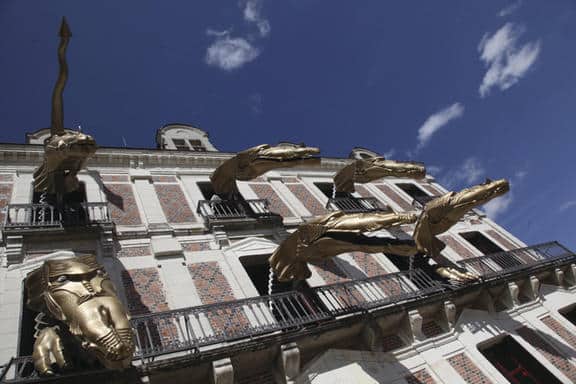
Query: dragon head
x=78, y=293
x=445, y=211
x=367, y=170
x=256, y=161
x=65, y=154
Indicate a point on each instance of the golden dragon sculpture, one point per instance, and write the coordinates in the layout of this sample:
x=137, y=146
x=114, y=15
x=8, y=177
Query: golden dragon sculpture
x=82, y=315
x=256, y=161
x=366, y=170
x=65, y=152
x=338, y=232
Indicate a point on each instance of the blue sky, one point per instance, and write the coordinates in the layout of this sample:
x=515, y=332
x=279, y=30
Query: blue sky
x=474, y=89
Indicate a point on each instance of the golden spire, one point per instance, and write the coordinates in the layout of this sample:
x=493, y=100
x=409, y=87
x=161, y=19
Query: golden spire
x=57, y=125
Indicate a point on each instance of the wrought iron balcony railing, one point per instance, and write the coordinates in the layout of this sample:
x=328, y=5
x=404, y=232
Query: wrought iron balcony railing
x=34, y=216
x=191, y=328
x=356, y=205
x=215, y=211
x=506, y=262
x=211, y=327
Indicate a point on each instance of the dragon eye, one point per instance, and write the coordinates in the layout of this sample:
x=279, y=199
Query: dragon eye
x=62, y=278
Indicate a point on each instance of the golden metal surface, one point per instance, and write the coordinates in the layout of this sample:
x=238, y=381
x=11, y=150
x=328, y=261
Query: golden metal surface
x=77, y=294
x=65, y=153
x=337, y=233
x=333, y=234
x=256, y=161
x=367, y=170
x=443, y=212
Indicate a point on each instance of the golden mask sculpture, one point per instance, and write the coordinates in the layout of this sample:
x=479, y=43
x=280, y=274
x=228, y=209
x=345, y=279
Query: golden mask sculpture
x=65, y=152
x=339, y=232
x=256, y=161
x=367, y=170
x=81, y=306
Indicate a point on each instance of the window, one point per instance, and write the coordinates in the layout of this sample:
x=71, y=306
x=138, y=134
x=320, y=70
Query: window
x=258, y=270
x=481, y=242
x=516, y=364
x=326, y=188
x=569, y=313
x=27, y=323
x=487, y=247
x=413, y=191
x=180, y=144
x=206, y=189
x=196, y=145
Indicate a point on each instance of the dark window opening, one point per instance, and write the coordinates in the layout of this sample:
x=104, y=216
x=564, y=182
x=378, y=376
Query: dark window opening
x=258, y=270
x=206, y=189
x=326, y=188
x=413, y=191
x=570, y=314
x=27, y=323
x=488, y=247
x=72, y=212
x=481, y=242
x=516, y=364
x=196, y=145
x=180, y=144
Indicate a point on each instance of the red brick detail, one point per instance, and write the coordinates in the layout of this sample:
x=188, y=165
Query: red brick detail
x=265, y=191
x=556, y=358
x=6, y=178
x=362, y=191
x=560, y=330
x=305, y=196
x=329, y=271
x=431, y=189
x=419, y=377
x=145, y=294
x=115, y=178
x=368, y=264
x=468, y=370
x=164, y=179
x=212, y=287
x=174, y=204
x=134, y=251
x=391, y=342
x=123, y=208
x=195, y=247
x=395, y=197
x=431, y=329
x=5, y=196
x=457, y=246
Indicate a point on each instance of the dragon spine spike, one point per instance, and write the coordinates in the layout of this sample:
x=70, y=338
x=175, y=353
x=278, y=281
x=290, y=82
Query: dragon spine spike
x=57, y=124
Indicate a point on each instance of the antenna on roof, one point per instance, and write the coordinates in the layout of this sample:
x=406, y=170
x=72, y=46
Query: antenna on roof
x=124, y=141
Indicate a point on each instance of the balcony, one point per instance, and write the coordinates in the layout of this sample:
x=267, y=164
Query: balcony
x=356, y=205
x=236, y=212
x=208, y=332
x=502, y=264
x=45, y=216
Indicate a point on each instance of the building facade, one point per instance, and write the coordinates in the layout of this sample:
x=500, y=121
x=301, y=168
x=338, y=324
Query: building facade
x=192, y=271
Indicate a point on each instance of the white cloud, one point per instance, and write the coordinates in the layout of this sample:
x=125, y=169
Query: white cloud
x=497, y=206
x=253, y=14
x=507, y=61
x=230, y=53
x=567, y=205
x=437, y=121
x=389, y=154
x=433, y=170
x=470, y=172
x=520, y=175
x=507, y=11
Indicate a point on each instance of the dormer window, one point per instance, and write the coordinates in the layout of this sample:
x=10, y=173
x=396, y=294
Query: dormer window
x=180, y=144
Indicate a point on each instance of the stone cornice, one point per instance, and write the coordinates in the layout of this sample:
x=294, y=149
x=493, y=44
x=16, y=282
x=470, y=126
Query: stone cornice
x=31, y=155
